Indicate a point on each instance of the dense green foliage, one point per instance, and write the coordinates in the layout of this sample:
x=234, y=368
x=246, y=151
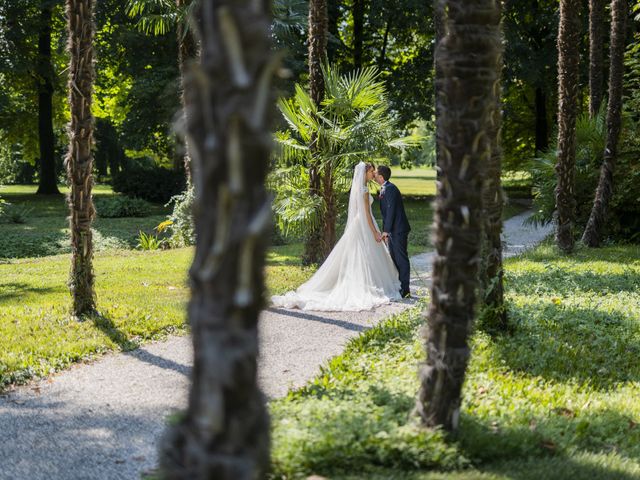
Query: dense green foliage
x=149, y=182
x=121, y=206
x=624, y=215
x=559, y=390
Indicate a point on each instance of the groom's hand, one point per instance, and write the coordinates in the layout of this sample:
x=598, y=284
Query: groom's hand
x=385, y=237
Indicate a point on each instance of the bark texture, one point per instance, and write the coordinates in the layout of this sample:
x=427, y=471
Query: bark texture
x=358, y=32
x=225, y=433
x=187, y=52
x=495, y=315
x=318, y=32
x=568, y=88
x=469, y=57
x=79, y=161
x=48, y=183
x=597, y=219
x=596, y=55
x=542, y=123
x=439, y=20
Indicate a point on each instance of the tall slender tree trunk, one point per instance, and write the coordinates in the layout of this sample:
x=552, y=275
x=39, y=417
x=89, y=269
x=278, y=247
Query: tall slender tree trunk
x=358, y=32
x=597, y=219
x=79, y=159
x=495, y=314
x=48, y=183
x=314, y=244
x=468, y=56
x=439, y=20
x=596, y=55
x=568, y=86
x=333, y=17
x=187, y=52
x=542, y=123
x=225, y=433
x=385, y=41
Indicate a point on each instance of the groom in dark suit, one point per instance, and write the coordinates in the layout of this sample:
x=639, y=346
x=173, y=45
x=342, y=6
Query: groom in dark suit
x=395, y=226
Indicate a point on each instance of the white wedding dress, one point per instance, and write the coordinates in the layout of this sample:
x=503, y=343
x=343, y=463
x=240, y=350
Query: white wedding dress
x=358, y=274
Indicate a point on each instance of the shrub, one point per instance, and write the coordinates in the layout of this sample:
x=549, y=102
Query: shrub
x=15, y=213
x=149, y=182
x=149, y=242
x=121, y=206
x=624, y=211
x=181, y=222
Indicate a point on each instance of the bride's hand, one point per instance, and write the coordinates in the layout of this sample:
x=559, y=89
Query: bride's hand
x=378, y=237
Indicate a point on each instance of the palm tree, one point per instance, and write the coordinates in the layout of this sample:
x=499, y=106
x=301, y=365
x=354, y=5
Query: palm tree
x=469, y=58
x=79, y=159
x=315, y=244
x=495, y=315
x=597, y=218
x=439, y=23
x=353, y=124
x=568, y=87
x=159, y=17
x=225, y=432
x=596, y=55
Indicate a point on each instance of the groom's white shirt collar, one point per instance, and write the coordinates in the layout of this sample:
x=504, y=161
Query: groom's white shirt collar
x=384, y=187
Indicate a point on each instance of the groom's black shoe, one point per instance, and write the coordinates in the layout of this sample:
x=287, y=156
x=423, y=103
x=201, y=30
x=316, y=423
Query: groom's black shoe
x=405, y=293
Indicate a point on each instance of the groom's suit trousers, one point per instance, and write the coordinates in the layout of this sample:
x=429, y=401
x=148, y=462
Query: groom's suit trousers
x=398, y=251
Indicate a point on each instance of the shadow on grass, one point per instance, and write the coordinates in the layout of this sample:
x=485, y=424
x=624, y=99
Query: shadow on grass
x=351, y=431
x=556, y=281
x=12, y=290
x=132, y=348
x=563, y=343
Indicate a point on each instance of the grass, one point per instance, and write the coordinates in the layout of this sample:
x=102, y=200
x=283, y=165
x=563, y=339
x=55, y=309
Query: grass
x=46, y=232
x=415, y=182
x=140, y=295
x=557, y=399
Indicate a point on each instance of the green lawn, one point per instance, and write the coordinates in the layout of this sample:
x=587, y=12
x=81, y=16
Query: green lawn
x=556, y=400
x=415, y=182
x=141, y=296
x=45, y=231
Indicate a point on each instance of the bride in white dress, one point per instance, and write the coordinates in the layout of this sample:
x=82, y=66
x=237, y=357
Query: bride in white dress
x=358, y=274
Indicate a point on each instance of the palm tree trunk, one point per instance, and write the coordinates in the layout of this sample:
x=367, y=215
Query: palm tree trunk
x=495, y=314
x=225, y=433
x=469, y=57
x=314, y=245
x=598, y=217
x=358, y=32
x=542, y=123
x=596, y=55
x=439, y=20
x=79, y=159
x=568, y=86
x=187, y=52
x=48, y=183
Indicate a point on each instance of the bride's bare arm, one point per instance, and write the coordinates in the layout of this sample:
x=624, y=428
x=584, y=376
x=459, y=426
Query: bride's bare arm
x=372, y=226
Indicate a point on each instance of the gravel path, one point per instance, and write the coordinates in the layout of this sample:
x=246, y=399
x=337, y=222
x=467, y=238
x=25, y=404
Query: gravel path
x=101, y=421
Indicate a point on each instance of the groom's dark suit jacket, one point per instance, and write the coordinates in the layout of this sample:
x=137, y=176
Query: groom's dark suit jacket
x=394, y=218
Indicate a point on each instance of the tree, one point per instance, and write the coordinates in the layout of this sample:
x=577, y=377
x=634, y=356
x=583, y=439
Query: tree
x=568, y=87
x=598, y=217
x=494, y=313
x=174, y=14
x=79, y=159
x=353, y=124
x=596, y=55
x=225, y=433
x=315, y=246
x=469, y=57
x=48, y=183
x=357, y=12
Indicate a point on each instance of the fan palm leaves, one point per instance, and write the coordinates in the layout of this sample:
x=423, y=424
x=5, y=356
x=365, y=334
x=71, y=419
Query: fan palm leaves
x=352, y=124
x=158, y=17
